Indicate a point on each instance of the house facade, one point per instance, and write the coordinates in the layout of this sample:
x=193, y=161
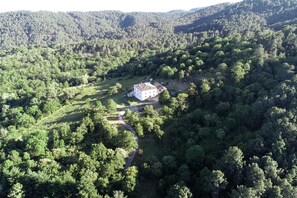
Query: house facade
x=144, y=91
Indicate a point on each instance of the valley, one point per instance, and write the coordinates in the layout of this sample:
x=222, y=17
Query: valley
x=224, y=126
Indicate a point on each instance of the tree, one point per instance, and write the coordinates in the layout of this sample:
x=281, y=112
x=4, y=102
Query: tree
x=127, y=141
x=195, y=156
x=148, y=124
x=167, y=72
x=237, y=71
x=139, y=130
x=16, y=191
x=192, y=89
x=243, y=192
x=128, y=114
x=260, y=55
x=222, y=66
x=274, y=192
x=167, y=111
x=86, y=187
x=184, y=173
x=25, y=120
x=99, y=107
x=179, y=191
x=51, y=105
x=255, y=178
x=118, y=194
x=220, y=133
x=37, y=142
x=149, y=111
x=129, y=181
x=182, y=101
x=118, y=86
x=84, y=79
x=169, y=163
x=156, y=169
x=99, y=152
x=65, y=131
x=15, y=157
x=222, y=108
x=205, y=87
x=112, y=90
x=216, y=182
x=153, y=167
x=111, y=106
x=181, y=74
x=232, y=164
x=159, y=133
x=164, y=97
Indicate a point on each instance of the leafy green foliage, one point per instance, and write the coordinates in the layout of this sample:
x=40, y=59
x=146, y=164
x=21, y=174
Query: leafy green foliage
x=43, y=28
x=230, y=132
x=43, y=159
x=236, y=120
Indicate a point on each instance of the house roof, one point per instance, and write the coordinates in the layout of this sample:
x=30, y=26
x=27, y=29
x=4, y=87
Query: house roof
x=145, y=86
x=159, y=86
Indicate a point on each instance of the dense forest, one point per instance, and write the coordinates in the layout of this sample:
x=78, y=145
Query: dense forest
x=230, y=133
x=47, y=28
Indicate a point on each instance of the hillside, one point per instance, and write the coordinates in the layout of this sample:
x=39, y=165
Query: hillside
x=248, y=15
x=225, y=127
x=46, y=28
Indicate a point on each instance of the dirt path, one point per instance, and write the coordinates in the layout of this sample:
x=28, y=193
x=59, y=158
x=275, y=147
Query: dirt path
x=127, y=126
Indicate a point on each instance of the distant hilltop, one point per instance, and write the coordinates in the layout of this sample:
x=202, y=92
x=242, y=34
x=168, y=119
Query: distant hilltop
x=51, y=28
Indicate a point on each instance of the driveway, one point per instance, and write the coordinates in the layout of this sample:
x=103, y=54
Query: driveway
x=127, y=126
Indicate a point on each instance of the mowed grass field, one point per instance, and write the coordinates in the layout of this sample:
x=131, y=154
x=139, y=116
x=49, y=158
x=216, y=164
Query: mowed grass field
x=74, y=111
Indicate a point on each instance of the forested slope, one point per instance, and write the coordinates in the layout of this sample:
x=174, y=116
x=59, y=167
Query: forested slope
x=45, y=28
x=82, y=156
x=230, y=133
x=248, y=15
x=48, y=28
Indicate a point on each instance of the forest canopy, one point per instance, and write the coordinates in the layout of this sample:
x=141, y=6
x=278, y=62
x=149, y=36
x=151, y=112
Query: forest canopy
x=228, y=130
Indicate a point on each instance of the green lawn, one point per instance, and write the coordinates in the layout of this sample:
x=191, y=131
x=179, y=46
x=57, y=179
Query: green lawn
x=74, y=111
x=151, y=146
x=146, y=187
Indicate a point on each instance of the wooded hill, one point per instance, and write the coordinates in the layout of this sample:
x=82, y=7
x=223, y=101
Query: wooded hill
x=39, y=28
x=46, y=28
x=231, y=132
x=248, y=15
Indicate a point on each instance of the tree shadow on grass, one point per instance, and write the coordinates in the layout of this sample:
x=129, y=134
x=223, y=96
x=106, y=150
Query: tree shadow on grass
x=112, y=118
x=94, y=96
x=91, y=97
x=72, y=116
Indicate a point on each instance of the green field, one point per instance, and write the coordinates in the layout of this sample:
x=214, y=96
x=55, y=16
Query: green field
x=74, y=111
x=146, y=187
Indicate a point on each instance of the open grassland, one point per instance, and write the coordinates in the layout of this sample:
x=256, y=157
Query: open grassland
x=75, y=109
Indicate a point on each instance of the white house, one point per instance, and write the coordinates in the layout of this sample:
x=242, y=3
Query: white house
x=144, y=91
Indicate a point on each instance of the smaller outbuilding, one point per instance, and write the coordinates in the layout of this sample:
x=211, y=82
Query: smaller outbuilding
x=159, y=86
